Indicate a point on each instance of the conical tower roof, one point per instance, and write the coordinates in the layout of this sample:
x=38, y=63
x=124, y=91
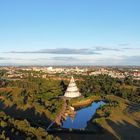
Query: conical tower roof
x=72, y=90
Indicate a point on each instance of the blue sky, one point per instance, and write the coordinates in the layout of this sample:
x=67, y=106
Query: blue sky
x=69, y=32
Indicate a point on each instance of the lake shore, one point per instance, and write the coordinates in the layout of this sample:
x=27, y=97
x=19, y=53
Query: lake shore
x=123, y=123
x=85, y=101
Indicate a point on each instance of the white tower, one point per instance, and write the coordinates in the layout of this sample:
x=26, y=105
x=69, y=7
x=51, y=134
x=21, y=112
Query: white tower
x=72, y=90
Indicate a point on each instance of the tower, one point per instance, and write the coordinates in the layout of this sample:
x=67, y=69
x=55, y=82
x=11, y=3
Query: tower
x=72, y=90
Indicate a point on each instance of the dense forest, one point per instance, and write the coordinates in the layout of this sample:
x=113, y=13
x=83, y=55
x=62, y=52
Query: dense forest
x=29, y=105
x=103, y=85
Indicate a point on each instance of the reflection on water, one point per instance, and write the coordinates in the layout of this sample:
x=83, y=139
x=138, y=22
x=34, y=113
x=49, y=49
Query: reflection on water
x=82, y=116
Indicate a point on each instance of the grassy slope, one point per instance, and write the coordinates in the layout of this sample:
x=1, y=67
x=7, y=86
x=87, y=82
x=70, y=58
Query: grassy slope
x=124, y=121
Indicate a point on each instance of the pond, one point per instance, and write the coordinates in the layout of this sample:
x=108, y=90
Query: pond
x=82, y=116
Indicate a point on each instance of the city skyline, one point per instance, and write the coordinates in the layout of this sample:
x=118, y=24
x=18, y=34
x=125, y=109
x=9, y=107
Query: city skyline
x=72, y=32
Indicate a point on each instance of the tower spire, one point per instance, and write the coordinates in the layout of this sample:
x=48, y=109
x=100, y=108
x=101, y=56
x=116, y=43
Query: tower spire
x=72, y=90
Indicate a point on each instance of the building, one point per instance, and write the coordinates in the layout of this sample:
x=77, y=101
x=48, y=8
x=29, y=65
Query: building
x=72, y=90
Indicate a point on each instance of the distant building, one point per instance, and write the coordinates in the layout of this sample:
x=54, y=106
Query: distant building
x=72, y=90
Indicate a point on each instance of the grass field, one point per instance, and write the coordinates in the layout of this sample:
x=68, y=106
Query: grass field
x=124, y=121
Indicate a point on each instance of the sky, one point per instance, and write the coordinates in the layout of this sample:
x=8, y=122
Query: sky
x=69, y=32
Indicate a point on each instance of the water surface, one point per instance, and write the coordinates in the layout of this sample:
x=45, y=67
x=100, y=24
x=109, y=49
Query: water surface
x=82, y=116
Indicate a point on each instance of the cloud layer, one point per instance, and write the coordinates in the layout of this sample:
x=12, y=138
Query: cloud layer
x=60, y=51
x=98, y=55
x=80, y=51
x=65, y=60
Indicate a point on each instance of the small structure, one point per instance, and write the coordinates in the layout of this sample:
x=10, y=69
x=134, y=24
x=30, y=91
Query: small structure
x=72, y=90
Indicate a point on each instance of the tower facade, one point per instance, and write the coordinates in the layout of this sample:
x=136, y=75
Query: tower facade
x=72, y=90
